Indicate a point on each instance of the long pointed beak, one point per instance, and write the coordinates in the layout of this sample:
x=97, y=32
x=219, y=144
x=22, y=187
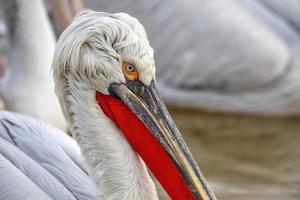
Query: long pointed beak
x=146, y=104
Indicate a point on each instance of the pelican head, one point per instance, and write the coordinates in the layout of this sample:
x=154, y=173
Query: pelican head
x=104, y=73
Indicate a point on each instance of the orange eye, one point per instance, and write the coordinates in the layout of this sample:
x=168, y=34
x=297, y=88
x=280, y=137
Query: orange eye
x=130, y=71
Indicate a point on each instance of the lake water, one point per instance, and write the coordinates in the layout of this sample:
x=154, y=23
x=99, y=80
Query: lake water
x=244, y=157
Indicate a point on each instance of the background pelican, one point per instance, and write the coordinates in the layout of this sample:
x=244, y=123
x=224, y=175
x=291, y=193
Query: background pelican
x=235, y=56
x=26, y=85
x=103, y=69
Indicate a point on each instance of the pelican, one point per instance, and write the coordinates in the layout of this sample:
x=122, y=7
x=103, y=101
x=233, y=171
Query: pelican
x=31, y=46
x=232, y=56
x=104, y=74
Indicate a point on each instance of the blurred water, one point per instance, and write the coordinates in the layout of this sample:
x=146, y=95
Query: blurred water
x=244, y=157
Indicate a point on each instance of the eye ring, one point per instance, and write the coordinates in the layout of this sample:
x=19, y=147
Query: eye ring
x=130, y=71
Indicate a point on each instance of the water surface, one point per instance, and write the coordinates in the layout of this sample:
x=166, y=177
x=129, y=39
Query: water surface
x=244, y=157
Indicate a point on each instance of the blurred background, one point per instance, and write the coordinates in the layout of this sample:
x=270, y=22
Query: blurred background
x=229, y=71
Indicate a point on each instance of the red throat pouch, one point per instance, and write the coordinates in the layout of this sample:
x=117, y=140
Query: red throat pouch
x=146, y=145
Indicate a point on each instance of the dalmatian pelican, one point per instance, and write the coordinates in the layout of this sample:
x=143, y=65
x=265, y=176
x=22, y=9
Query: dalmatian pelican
x=104, y=74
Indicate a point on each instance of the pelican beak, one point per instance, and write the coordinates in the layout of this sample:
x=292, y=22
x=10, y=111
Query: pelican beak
x=145, y=102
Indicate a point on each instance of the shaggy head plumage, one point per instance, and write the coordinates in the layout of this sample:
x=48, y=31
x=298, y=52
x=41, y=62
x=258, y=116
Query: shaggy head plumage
x=96, y=44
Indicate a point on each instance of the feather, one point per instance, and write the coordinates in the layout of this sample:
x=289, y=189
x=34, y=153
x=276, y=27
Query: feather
x=32, y=148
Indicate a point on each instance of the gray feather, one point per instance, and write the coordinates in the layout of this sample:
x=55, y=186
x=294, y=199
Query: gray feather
x=15, y=185
x=43, y=156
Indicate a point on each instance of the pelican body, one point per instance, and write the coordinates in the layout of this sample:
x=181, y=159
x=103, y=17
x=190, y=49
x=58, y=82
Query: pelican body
x=104, y=74
x=238, y=56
